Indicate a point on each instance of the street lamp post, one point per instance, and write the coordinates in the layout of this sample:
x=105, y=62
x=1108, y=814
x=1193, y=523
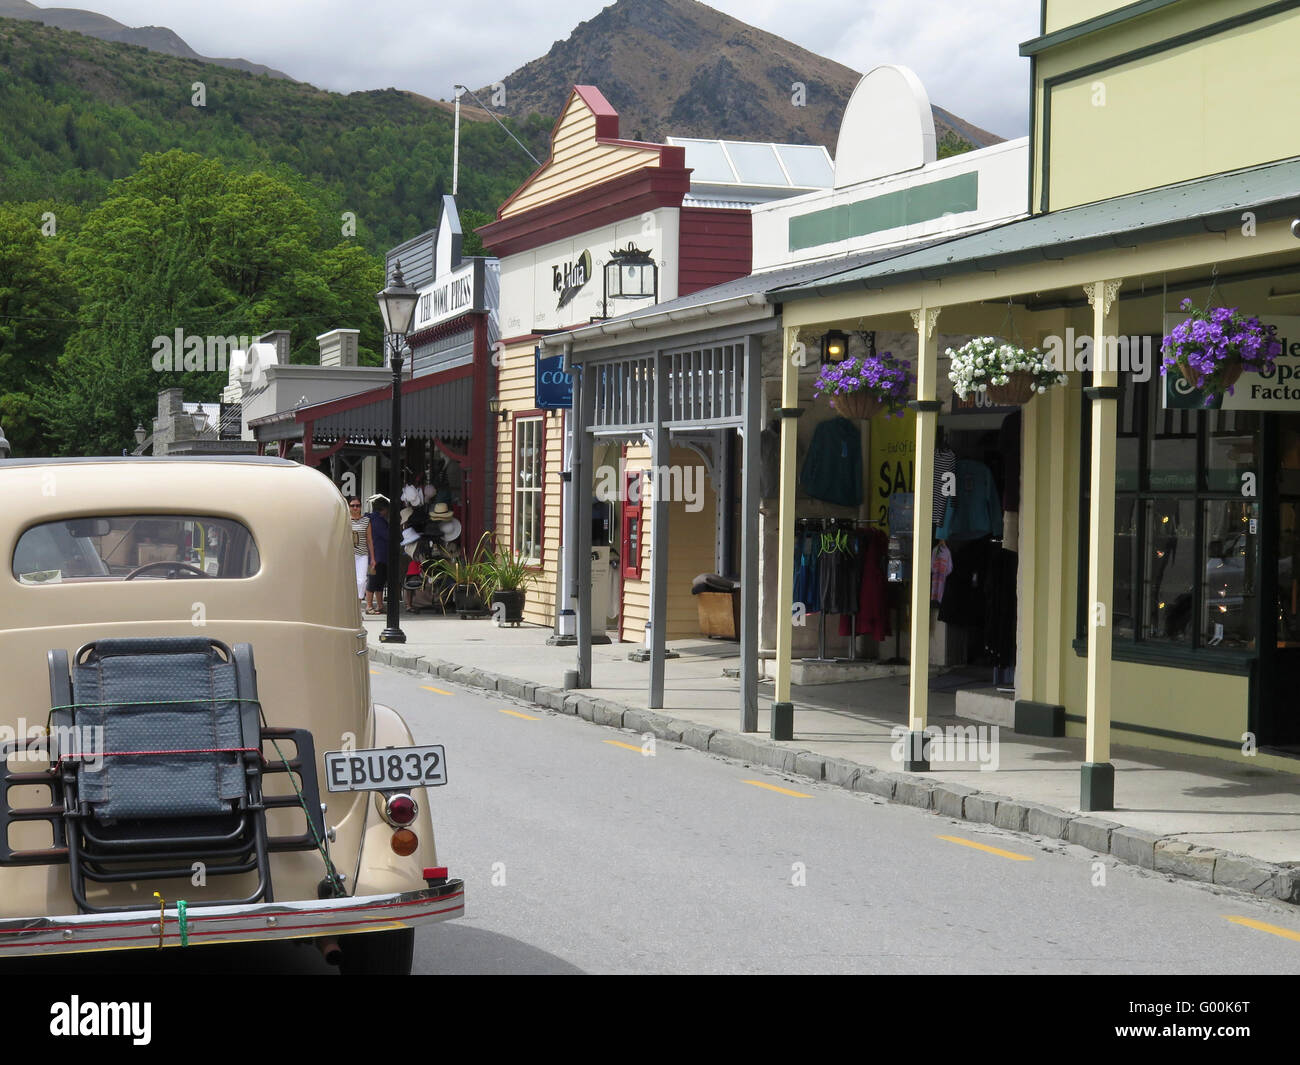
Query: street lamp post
x=397, y=306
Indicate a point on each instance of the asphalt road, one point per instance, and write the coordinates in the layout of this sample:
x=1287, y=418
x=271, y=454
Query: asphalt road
x=581, y=853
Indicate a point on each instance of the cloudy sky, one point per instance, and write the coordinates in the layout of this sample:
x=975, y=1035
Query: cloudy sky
x=965, y=52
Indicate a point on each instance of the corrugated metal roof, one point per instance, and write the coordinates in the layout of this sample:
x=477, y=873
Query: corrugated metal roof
x=766, y=280
x=1209, y=204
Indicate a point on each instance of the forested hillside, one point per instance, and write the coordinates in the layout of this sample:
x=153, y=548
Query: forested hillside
x=76, y=112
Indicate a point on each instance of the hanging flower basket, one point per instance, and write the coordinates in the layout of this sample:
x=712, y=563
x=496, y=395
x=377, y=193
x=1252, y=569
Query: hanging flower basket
x=1018, y=390
x=1007, y=373
x=863, y=386
x=857, y=404
x=1212, y=348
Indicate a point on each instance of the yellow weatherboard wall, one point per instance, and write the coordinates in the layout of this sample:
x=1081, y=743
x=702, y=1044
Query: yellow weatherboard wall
x=1062, y=13
x=1139, y=134
x=1178, y=115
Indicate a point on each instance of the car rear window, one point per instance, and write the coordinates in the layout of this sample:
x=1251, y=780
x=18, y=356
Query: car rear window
x=141, y=547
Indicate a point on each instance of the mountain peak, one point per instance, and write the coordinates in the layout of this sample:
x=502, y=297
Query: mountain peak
x=681, y=67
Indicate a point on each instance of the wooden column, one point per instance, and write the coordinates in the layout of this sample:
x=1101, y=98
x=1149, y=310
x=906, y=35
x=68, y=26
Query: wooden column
x=782, y=724
x=916, y=757
x=1097, y=774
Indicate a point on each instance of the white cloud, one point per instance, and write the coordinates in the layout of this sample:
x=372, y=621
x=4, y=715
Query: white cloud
x=964, y=52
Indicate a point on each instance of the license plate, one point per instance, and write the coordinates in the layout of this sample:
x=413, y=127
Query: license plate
x=386, y=768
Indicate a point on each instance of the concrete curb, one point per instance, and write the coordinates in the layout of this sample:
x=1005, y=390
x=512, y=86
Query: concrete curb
x=1132, y=846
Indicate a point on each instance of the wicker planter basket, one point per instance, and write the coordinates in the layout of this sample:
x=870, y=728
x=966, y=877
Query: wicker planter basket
x=1231, y=373
x=1018, y=390
x=857, y=405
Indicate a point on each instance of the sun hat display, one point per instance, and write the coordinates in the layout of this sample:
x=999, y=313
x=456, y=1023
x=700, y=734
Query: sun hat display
x=440, y=512
x=450, y=529
x=409, y=536
x=406, y=514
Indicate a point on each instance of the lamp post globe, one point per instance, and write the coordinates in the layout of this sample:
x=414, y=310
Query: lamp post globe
x=397, y=304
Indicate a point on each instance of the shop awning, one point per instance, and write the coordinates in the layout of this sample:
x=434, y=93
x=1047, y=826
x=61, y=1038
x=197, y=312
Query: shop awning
x=434, y=407
x=1209, y=204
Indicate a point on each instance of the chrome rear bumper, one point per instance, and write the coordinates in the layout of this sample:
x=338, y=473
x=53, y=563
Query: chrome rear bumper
x=231, y=924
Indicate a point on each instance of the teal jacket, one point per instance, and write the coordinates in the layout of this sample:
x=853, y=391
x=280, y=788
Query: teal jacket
x=832, y=472
x=976, y=510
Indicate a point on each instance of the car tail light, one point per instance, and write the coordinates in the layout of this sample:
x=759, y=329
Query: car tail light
x=404, y=842
x=400, y=810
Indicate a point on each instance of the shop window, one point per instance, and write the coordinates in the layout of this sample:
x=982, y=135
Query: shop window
x=1186, y=541
x=632, y=526
x=528, y=470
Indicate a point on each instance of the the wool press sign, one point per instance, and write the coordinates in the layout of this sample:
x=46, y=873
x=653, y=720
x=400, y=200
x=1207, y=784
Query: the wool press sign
x=1276, y=390
x=445, y=298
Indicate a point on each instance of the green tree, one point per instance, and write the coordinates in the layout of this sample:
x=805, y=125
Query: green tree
x=36, y=308
x=470, y=220
x=186, y=243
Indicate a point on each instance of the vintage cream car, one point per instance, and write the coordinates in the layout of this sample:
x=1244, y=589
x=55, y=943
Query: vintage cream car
x=189, y=748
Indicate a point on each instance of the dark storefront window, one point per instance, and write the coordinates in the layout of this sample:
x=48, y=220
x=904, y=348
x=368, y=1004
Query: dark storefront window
x=1186, y=526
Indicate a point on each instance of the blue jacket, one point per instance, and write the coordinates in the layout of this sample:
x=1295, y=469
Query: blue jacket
x=976, y=510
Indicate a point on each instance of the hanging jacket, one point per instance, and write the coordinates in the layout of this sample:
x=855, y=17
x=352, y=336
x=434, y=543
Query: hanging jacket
x=832, y=472
x=975, y=510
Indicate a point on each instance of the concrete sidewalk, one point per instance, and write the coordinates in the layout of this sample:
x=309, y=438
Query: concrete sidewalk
x=1216, y=821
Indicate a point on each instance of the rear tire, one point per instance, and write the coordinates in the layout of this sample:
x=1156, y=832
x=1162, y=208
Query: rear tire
x=378, y=953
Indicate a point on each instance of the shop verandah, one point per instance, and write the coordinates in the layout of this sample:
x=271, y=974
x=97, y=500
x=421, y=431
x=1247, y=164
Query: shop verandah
x=1093, y=653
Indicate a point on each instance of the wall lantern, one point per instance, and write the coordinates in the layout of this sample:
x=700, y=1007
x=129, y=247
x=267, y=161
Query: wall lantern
x=835, y=346
x=140, y=433
x=631, y=274
x=494, y=407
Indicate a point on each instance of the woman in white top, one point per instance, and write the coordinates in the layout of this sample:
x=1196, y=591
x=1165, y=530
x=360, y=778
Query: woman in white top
x=362, y=551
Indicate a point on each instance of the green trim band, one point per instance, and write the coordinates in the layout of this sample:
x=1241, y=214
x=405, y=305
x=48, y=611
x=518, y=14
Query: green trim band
x=1225, y=662
x=1096, y=392
x=925, y=405
x=789, y=412
x=1092, y=25
x=890, y=210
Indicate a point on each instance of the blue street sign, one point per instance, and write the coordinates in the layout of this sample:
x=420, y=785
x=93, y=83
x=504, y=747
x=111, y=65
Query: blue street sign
x=554, y=386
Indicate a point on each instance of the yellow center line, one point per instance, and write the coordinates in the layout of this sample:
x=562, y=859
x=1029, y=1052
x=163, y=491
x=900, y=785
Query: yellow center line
x=430, y=688
x=516, y=713
x=1276, y=930
x=374, y=672
x=625, y=746
x=991, y=850
x=783, y=791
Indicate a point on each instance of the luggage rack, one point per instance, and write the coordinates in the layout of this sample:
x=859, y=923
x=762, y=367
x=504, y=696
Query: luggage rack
x=153, y=808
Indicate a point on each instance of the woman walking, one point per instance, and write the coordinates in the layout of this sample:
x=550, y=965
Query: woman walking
x=362, y=551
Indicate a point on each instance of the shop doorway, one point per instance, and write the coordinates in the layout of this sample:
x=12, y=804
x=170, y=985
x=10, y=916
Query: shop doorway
x=1278, y=678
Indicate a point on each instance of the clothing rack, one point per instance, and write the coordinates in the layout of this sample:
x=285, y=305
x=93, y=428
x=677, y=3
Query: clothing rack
x=828, y=524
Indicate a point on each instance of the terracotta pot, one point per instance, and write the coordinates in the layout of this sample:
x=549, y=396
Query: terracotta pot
x=1018, y=390
x=857, y=405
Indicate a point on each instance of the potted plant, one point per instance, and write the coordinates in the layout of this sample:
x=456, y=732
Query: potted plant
x=461, y=580
x=1007, y=373
x=862, y=386
x=1212, y=348
x=507, y=576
